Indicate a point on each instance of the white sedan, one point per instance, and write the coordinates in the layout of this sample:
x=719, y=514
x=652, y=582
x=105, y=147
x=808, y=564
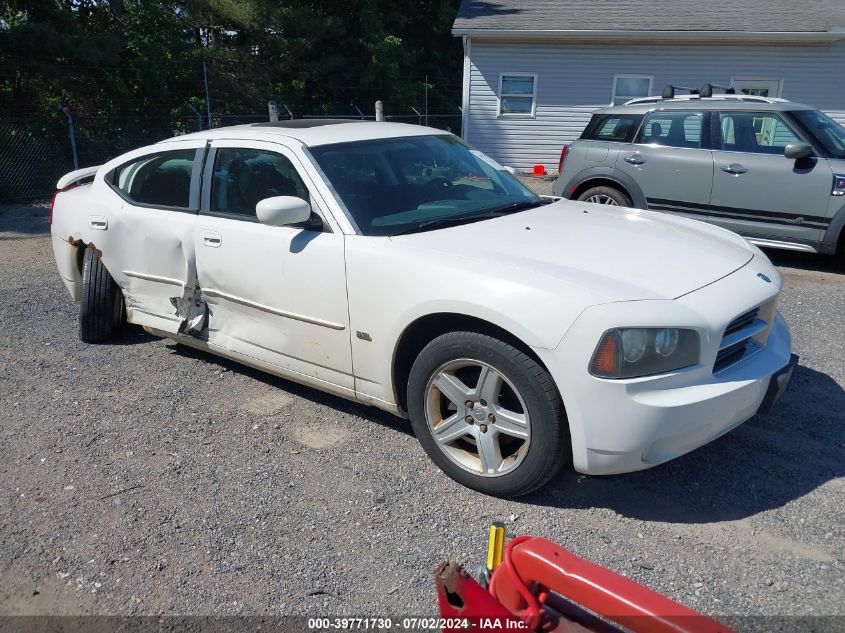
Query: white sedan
x=394, y=265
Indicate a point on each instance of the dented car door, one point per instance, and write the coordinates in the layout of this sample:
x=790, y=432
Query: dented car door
x=273, y=293
x=150, y=250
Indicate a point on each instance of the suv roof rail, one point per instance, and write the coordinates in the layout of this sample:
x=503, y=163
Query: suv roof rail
x=706, y=92
x=669, y=91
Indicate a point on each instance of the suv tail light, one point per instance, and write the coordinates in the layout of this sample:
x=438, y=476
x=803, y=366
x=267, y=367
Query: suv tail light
x=563, y=153
x=838, y=185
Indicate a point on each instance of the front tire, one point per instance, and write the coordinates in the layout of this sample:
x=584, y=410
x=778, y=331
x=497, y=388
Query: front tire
x=487, y=414
x=605, y=195
x=101, y=309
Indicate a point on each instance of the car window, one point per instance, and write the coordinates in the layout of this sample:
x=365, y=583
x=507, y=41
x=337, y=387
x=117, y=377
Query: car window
x=825, y=130
x=757, y=132
x=673, y=129
x=162, y=180
x=243, y=177
x=398, y=185
x=611, y=127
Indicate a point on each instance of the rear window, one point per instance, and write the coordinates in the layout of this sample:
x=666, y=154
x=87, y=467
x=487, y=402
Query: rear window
x=612, y=127
x=673, y=129
x=158, y=180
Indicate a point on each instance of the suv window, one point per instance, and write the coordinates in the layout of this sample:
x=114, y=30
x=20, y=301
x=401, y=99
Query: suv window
x=673, y=129
x=161, y=180
x=611, y=127
x=244, y=177
x=757, y=132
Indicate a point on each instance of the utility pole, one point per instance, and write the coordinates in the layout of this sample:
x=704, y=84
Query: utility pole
x=207, y=98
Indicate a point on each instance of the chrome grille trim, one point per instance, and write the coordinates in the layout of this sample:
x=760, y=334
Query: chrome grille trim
x=737, y=336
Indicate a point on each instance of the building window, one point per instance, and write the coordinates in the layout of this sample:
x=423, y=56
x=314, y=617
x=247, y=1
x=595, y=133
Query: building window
x=517, y=94
x=627, y=87
x=757, y=86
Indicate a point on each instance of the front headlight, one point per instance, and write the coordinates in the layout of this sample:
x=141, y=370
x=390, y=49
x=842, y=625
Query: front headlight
x=635, y=352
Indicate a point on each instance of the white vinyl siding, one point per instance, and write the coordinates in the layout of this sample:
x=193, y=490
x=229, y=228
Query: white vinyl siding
x=573, y=80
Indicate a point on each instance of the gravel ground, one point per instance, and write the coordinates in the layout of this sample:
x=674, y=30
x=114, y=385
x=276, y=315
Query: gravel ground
x=142, y=477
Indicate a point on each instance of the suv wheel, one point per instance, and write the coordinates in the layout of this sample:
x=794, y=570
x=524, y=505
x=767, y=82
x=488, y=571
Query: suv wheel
x=487, y=414
x=605, y=195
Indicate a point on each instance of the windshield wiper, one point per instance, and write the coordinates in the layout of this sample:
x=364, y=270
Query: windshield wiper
x=466, y=219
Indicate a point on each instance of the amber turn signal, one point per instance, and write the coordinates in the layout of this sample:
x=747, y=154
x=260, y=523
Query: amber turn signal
x=606, y=357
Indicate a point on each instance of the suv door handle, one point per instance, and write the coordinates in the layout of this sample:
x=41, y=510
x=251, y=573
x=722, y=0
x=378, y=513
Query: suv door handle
x=735, y=169
x=212, y=239
x=634, y=159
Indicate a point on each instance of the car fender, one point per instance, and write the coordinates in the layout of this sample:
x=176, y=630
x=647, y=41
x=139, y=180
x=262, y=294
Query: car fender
x=604, y=173
x=390, y=286
x=830, y=240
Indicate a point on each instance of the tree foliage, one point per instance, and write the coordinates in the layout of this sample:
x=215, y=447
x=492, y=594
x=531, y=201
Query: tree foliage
x=107, y=58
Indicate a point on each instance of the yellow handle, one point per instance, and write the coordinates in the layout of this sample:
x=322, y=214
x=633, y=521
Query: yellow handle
x=495, y=545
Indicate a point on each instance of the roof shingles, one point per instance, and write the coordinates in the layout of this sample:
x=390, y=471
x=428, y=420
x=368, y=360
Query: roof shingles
x=761, y=16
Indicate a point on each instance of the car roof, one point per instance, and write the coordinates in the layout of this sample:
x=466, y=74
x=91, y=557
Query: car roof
x=313, y=132
x=704, y=104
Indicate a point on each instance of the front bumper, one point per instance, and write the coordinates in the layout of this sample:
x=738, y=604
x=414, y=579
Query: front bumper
x=627, y=425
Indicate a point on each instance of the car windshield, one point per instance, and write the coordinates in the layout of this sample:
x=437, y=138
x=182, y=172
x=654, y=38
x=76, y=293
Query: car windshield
x=408, y=184
x=825, y=130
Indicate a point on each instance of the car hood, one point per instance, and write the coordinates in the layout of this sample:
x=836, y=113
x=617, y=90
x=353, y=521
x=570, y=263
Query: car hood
x=623, y=254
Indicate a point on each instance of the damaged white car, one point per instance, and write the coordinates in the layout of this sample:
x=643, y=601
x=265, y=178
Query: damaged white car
x=396, y=266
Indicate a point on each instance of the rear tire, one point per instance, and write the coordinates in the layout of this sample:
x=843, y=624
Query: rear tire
x=605, y=195
x=101, y=309
x=518, y=438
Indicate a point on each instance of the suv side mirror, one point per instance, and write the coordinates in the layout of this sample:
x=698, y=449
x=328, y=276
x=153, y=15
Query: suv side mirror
x=282, y=211
x=797, y=151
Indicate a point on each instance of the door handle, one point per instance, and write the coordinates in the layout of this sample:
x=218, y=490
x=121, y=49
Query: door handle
x=212, y=239
x=635, y=159
x=98, y=222
x=734, y=169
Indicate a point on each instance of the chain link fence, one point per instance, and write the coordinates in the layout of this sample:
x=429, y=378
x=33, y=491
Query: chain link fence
x=36, y=150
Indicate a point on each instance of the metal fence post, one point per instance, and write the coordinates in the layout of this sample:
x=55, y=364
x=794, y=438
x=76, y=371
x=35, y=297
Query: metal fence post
x=207, y=98
x=379, y=111
x=66, y=111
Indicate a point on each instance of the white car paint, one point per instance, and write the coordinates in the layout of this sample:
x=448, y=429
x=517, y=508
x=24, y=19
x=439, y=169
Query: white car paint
x=329, y=309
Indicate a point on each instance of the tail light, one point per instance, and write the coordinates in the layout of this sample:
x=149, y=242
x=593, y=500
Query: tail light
x=563, y=152
x=56, y=195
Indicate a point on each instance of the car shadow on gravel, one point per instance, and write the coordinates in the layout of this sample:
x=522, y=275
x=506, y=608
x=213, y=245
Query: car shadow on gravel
x=807, y=261
x=131, y=335
x=764, y=464
x=371, y=414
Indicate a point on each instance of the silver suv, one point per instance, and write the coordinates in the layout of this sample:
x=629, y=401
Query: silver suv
x=771, y=170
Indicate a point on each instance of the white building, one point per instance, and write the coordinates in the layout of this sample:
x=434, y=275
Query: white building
x=534, y=70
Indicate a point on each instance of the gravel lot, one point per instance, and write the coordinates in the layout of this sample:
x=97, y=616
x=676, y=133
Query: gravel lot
x=142, y=477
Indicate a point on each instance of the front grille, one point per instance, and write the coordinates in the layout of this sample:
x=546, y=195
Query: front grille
x=737, y=341
x=743, y=320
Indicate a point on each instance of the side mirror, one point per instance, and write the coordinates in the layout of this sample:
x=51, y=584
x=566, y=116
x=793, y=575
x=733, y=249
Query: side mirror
x=282, y=211
x=797, y=151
